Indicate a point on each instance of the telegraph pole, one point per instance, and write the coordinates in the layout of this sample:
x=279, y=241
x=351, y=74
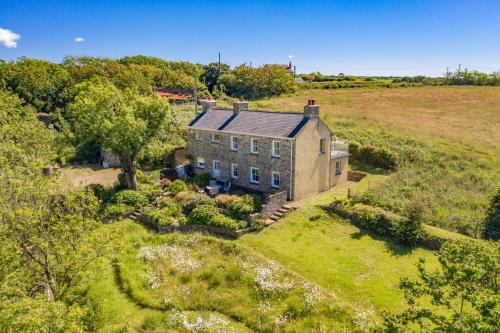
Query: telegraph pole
x=219, y=64
x=195, y=93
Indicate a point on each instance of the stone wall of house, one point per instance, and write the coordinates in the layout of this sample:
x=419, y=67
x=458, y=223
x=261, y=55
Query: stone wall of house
x=204, y=147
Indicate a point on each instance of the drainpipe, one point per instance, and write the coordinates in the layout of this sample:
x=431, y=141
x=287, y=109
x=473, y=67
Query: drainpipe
x=292, y=171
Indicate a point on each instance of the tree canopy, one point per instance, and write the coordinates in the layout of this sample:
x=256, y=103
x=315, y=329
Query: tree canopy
x=464, y=291
x=121, y=121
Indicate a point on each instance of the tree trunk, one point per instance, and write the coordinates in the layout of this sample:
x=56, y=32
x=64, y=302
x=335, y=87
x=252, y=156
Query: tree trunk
x=129, y=169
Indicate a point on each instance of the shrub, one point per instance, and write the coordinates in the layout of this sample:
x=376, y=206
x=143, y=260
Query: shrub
x=151, y=191
x=115, y=211
x=130, y=198
x=196, y=200
x=184, y=196
x=165, y=216
x=403, y=230
x=203, y=214
x=177, y=186
x=224, y=200
x=376, y=156
x=165, y=183
x=243, y=206
x=202, y=180
x=258, y=225
x=210, y=215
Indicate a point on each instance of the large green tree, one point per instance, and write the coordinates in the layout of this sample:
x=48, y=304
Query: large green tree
x=464, y=291
x=121, y=121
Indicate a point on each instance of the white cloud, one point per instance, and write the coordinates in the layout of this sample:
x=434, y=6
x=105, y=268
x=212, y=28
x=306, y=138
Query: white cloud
x=8, y=38
x=79, y=39
x=290, y=56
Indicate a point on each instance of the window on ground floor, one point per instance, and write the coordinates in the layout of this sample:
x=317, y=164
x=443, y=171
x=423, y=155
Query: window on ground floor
x=275, y=179
x=338, y=168
x=234, y=170
x=254, y=175
x=200, y=163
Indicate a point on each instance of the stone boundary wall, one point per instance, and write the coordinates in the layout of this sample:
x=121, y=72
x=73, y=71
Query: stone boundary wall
x=273, y=202
x=193, y=228
x=355, y=176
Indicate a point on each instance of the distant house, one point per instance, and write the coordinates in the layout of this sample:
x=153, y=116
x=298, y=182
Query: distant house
x=175, y=95
x=287, y=67
x=267, y=151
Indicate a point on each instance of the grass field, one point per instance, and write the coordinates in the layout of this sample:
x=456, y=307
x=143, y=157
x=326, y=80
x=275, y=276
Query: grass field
x=469, y=115
x=447, y=139
x=362, y=269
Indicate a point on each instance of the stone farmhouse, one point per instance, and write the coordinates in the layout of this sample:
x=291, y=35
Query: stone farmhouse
x=267, y=151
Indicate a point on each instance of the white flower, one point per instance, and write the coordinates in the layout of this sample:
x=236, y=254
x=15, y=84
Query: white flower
x=199, y=324
x=267, y=279
x=365, y=318
x=312, y=295
x=177, y=256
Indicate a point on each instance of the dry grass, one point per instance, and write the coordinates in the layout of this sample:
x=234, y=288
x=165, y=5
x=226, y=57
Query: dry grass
x=470, y=115
x=89, y=174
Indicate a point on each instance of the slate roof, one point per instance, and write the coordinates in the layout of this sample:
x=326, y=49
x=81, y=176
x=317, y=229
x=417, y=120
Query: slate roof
x=279, y=124
x=211, y=119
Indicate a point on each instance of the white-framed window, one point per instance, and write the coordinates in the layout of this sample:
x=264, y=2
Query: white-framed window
x=338, y=168
x=234, y=170
x=215, y=137
x=276, y=149
x=254, y=175
x=197, y=136
x=254, y=149
x=275, y=179
x=322, y=146
x=200, y=163
x=234, y=143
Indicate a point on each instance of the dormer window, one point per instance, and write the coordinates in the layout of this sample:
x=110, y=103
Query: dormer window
x=234, y=143
x=253, y=146
x=215, y=137
x=276, y=149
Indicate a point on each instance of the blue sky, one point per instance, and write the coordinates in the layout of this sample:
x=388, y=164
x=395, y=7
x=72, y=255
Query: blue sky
x=383, y=37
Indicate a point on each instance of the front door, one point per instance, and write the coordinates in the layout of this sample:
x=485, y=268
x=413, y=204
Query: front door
x=215, y=169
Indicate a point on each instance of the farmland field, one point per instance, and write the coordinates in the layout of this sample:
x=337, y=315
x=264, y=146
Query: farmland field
x=447, y=140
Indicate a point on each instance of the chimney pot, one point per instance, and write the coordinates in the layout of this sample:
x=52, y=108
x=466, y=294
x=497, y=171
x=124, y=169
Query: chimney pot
x=311, y=110
x=208, y=104
x=240, y=106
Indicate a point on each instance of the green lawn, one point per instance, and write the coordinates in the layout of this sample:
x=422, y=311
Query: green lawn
x=362, y=269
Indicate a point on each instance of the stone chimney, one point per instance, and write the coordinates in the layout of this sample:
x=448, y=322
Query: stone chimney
x=240, y=106
x=311, y=110
x=208, y=104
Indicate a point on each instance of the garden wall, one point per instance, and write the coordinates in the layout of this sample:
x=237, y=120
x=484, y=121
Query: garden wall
x=273, y=202
x=355, y=176
x=193, y=228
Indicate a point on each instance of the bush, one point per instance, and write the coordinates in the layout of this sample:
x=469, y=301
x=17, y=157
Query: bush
x=115, y=211
x=376, y=156
x=151, y=191
x=203, y=214
x=183, y=196
x=130, y=198
x=243, y=206
x=165, y=216
x=202, y=180
x=177, y=186
x=403, y=230
x=224, y=200
x=210, y=215
x=258, y=225
x=165, y=183
x=197, y=199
